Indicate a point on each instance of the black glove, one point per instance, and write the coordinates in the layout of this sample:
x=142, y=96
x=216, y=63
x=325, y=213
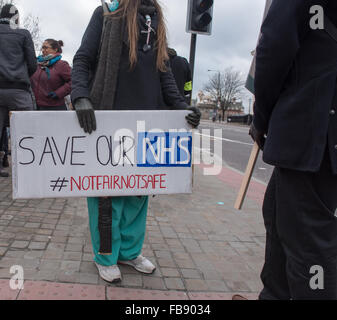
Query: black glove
x=193, y=118
x=257, y=136
x=85, y=114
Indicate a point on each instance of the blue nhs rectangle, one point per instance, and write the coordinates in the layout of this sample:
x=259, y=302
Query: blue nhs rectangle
x=164, y=149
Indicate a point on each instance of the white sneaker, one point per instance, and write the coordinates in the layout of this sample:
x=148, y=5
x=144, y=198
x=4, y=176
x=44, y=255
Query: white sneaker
x=141, y=264
x=109, y=273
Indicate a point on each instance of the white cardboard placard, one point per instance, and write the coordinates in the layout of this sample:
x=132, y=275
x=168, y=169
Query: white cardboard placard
x=130, y=153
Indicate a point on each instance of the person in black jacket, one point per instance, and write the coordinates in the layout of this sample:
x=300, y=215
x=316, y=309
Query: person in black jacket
x=4, y=145
x=295, y=123
x=182, y=74
x=118, y=67
x=17, y=64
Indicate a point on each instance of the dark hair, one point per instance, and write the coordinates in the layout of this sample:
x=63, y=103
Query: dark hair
x=8, y=11
x=56, y=45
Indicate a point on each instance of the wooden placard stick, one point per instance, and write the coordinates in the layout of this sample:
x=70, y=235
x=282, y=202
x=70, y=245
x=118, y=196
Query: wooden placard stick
x=247, y=177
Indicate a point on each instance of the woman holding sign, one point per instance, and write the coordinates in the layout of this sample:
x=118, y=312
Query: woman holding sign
x=122, y=64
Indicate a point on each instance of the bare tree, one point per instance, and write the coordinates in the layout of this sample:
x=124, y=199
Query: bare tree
x=29, y=22
x=32, y=24
x=224, y=87
x=215, y=87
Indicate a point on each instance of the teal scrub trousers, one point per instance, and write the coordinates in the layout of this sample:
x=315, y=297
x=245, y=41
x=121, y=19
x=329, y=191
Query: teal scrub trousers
x=128, y=228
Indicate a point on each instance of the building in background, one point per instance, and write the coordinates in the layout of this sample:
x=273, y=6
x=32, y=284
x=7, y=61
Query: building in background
x=210, y=108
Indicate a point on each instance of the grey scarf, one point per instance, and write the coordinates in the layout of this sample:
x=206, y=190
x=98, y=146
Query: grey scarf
x=105, y=82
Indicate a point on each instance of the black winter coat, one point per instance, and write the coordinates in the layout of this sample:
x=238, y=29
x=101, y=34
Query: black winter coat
x=17, y=57
x=295, y=86
x=143, y=87
x=181, y=71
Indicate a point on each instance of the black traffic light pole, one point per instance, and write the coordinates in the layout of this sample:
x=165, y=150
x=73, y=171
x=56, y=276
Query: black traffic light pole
x=199, y=21
x=192, y=55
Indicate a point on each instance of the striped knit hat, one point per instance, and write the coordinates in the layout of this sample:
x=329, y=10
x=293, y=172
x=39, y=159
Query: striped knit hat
x=8, y=11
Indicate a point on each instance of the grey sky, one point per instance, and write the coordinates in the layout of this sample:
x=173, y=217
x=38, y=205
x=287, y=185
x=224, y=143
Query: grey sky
x=235, y=30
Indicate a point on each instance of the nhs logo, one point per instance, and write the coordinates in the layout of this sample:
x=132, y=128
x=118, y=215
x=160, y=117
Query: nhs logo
x=164, y=149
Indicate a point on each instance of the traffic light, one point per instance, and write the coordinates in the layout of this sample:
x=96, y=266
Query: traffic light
x=199, y=16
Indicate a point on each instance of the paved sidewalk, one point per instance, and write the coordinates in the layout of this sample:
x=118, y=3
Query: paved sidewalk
x=203, y=248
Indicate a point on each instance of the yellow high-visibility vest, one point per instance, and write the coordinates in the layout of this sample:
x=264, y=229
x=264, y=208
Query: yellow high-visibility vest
x=188, y=86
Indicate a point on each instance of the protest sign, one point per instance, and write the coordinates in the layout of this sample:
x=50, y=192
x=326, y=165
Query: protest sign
x=130, y=153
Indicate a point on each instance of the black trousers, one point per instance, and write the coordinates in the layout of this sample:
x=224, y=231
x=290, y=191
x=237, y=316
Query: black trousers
x=299, y=213
x=4, y=140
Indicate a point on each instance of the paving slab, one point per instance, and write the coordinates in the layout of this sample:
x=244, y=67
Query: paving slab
x=129, y=294
x=6, y=293
x=60, y=291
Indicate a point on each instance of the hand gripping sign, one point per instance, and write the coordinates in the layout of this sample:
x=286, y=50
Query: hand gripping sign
x=130, y=153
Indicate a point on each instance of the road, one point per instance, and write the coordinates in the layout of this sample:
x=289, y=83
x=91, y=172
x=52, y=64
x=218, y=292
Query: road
x=236, y=147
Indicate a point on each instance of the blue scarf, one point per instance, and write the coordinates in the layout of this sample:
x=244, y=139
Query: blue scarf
x=48, y=61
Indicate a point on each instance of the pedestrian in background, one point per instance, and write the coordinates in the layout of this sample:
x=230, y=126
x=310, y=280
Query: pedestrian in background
x=182, y=74
x=52, y=81
x=4, y=145
x=17, y=65
x=138, y=77
x=296, y=100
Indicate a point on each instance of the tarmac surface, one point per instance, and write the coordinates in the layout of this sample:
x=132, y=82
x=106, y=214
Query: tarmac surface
x=236, y=147
x=203, y=248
